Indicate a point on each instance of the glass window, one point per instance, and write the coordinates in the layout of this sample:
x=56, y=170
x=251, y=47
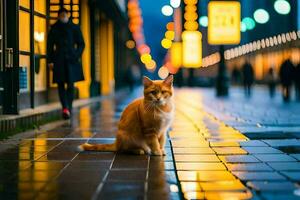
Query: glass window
x=40, y=6
x=25, y=3
x=24, y=31
x=40, y=73
x=67, y=1
x=24, y=72
x=40, y=35
x=75, y=21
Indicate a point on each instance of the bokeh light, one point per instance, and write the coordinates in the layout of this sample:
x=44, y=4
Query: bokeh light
x=170, y=35
x=243, y=27
x=249, y=22
x=261, y=16
x=151, y=65
x=175, y=3
x=146, y=58
x=170, y=26
x=282, y=7
x=167, y=10
x=166, y=43
x=203, y=20
x=163, y=72
x=130, y=44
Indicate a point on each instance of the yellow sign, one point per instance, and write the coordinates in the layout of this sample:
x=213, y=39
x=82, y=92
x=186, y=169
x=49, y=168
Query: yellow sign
x=224, y=19
x=191, y=49
x=176, y=54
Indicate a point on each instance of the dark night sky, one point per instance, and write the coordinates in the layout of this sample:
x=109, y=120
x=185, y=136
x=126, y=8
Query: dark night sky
x=155, y=27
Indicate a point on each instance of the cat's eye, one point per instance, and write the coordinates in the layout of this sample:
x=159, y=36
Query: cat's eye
x=153, y=92
x=164, y=92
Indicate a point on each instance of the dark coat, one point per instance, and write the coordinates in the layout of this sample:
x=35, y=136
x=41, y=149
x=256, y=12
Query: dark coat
x=248, y=74
x=297, y=75
x=64, y=49
x=286, y=73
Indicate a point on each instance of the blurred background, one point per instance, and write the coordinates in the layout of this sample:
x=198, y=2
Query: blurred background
x=239, y=44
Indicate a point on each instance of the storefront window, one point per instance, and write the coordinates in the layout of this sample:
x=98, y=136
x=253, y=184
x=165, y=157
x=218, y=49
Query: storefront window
x=25, y=3
x=39, y=35
x=40, y=6
x=24, y=31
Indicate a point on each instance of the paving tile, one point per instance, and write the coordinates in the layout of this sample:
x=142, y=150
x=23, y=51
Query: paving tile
x=188, y=150
x=248, y=167
x=235, y=185
x=229, y=150
x=69, y=190
x=95, y=156
x=279, y=196
x=189, y=143
x=196, y=158
x=200, y=166
x=190, y=186
x=247, y=176
x=275, y=158
x=228, y=195
x=122, y=190
x=127, y=175
x=58, y=156
x=89, y=165
x=284, y=186
x=297, y=156
x=224, y=144
x=295, y=176
x=239, y=159
x=289, y=166
x=283, y=142
x=83, y=176
x=262, y=150
x=205, y=176
x=194, y=195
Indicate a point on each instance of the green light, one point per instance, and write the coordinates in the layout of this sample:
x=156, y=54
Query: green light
x=249, y=23
x=261, y=16
x=283, y=7
x=203, y=21
x=243, y=27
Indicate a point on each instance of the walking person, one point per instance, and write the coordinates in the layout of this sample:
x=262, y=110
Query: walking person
x=286, y=74
x=271, y=81
x=64, y=49
x=297, y=81
x=235, y=76
x=248, y=78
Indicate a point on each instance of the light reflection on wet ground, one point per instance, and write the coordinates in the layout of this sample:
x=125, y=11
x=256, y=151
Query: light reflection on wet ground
x=212, y=160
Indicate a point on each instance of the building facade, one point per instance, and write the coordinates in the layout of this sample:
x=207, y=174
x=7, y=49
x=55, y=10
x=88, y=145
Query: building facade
x=26, y=81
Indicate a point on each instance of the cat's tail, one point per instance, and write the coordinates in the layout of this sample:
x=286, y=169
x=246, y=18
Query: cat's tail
x=98, y=147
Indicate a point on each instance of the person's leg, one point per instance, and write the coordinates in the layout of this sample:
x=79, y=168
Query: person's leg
x=70, y=95
x=62, y=94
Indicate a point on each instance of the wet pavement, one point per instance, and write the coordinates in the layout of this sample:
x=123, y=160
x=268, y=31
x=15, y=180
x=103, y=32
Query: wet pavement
x=233, y=148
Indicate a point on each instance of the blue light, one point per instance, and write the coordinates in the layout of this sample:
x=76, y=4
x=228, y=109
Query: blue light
x=261, y=16
x=203, y=21
x=283, y=7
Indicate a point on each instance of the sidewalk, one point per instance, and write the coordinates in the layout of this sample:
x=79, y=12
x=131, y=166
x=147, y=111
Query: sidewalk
x=234, y=148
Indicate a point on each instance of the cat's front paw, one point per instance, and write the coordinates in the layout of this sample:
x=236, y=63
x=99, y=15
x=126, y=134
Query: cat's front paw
x=157, y=153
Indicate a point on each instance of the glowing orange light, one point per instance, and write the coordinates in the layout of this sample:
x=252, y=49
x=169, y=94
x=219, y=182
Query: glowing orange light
x=166, y=43
x=170, y=26
x=130, y=44
x=191, y=25
x=170, y=35
x=146, y=58
x=151, y=65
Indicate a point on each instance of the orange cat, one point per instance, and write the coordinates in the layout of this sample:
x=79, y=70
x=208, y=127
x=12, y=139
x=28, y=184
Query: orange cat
x=144, y=122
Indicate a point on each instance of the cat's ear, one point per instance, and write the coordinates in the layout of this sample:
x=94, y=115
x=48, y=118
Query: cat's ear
x=147, y=81
x=169, y=80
